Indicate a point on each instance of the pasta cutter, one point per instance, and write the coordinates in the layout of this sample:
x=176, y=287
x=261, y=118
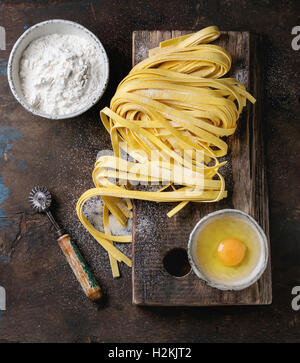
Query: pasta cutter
x=40, y=200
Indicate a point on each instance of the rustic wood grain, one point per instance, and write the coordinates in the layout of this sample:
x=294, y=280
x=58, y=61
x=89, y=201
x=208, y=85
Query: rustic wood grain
x=155, y=234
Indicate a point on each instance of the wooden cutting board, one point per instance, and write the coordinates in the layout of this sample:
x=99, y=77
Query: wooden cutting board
x=159, y=242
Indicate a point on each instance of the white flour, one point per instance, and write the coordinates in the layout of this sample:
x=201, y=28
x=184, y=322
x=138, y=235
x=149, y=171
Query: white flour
x=93, y=211
x=60, y=73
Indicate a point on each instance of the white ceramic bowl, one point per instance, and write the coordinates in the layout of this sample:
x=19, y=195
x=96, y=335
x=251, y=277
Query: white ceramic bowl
x=45, y=28
x=255, y=273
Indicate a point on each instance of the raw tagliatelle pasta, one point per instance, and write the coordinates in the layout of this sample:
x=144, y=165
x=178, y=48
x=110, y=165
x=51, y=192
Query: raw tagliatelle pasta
x=170, y=112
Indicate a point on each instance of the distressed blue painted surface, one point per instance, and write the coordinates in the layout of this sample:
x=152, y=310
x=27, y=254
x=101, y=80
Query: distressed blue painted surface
x=8, y=135
x=4, y=194
x=4, y=257
x=3, y=67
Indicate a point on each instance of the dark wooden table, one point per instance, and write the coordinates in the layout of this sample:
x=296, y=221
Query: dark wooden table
x=44, y=301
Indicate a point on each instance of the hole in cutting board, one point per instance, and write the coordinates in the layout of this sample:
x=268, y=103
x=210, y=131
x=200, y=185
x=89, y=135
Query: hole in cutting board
x=176, y=262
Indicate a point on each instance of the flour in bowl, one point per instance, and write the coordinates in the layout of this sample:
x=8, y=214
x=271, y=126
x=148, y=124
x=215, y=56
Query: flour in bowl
x=60, y=73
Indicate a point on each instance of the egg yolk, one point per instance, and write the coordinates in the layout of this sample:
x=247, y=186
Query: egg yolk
x=231, y=251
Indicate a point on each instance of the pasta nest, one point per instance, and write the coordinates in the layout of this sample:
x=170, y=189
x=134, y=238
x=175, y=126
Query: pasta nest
x=170, y=115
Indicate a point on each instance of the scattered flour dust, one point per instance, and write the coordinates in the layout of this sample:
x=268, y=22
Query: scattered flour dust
x=60, y=73
x=93, y=211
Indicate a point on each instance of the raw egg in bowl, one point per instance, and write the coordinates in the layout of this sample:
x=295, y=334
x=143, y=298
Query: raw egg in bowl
x=228, y=250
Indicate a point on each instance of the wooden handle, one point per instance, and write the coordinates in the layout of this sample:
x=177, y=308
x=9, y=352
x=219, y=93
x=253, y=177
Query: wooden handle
x=80, y=268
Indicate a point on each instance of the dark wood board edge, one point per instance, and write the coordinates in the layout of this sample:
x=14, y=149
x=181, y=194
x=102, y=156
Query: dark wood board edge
x=260, y=193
